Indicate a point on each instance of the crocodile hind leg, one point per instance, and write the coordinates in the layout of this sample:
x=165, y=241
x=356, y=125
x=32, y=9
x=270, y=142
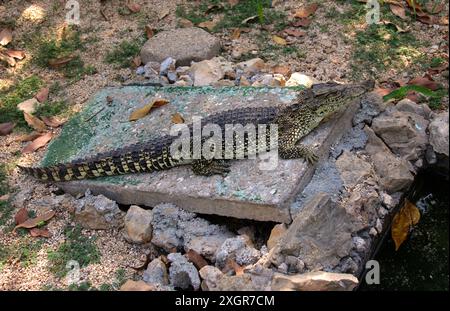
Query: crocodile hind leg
x=210, y=167
x=298, y=151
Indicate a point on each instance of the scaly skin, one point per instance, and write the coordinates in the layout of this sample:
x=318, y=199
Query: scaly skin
x=294, y=122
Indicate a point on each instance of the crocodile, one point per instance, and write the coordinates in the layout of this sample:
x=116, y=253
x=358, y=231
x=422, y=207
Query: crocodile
x=312, y=107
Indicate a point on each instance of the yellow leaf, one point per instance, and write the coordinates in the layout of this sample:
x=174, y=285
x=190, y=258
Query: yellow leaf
x=208, y=25
x=142, y=112
x=177, y=118
x=278, y=40
x=408, y=216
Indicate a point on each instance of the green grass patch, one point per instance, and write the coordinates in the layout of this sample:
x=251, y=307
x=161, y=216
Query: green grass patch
x=233, y=16
x=10, y=98
x=123, y=54
x=49, y=109
x=76, y=247
x=434, y=97
x=25, y=251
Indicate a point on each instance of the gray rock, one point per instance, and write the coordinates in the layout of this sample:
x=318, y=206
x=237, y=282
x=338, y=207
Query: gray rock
x=252, y=281
x=174, y=228
x=403, y=132
x=320, y=235
x=172, y=76
x=166, y=65
x=182, y=273
x=439, y=133
x=236, y=249
x=156, y=273
x=371, y=106
x=408, y=105
x=138, y=225
x=300, y=79
x=206, y=72
x=315, y=281
x=354, y=139
x=353, y=169
x=98, y=212
x=183, y=44
x=359, y=244
x=393, y=172
x=140, y=70
x=210, y=275
x=362, y=203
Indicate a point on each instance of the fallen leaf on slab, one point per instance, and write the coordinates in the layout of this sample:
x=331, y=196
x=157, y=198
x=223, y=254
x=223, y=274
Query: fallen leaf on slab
x=306, y=10
x=177, y=118
x=197, y=259
x=236, y=34
x=5, y=36
x=294, y=32
x=60, y=62
x=424, y=81
x=34, y=122
x=250, y=19
x=52, y=121
x=39, y=142
x=302, y=22
x=142, y=112
x=42, y=94
x=278, y=40
x=33, y=222
x=208, y=25
x=6, y=128
x=134, y=7
x=21, y=216
x=149, y=31
x=403, y=221
x=29, y=137
x=398, y=10
x=38, y=232
x=18, y=54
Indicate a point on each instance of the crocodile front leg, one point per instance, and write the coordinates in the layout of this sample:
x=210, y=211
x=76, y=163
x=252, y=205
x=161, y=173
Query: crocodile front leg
x=298, y=151
x=287, y=145
x=210, y=167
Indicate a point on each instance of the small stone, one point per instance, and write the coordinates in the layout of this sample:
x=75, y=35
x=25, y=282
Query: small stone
x=156, y=273
x=136, y=286
x=283, y=268
x=439, y=131
x=166, y=65
x=295, y=265
x=206, y=72
x=277, y=231
x=186, y=79
x=140, y=70
x=29, y=106
x=382, y=212
x=172, y=76
x=300, y=79
x=373, y=232
x=210, y=275
x=379, y=225
x=183, y=70
x=359, y=244
x=222, y=83
x=251, y=66
x=314, y=281
x=353, y=170
x=138, y=225
x=238, y=250
x=185, y=23
x=388, y=200
x=182, y=273
x=243, y=81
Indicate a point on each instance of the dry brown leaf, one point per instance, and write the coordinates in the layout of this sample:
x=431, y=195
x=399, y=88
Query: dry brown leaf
x=34, y=122
x=424, y=81
x=6, y=128
x=302, y=22
x=38, y=232
x=306, y=11
x=39, y=142
x=177, y=118
x=294, y=32
x=282, y=69
x=21, y=216
x=60, y=62
x=5, y=36
x=134, y=7
x=208, y=25
x=278, y=40
x=408, y=216
x=438, y=69
x=414, y=5
x=164, y=12
x=183, y=22
x=42, y=94
x=33, y=222
x=29, y=137
x=142, y=112
x=197, y=259
x=232, y=3
x=398, y=10
x=382, y=91
x=52, y=121
x=7, y=59
x=236, y=34
x=149, y=31
x=399, y=29
x=18, y=54
x=237, y=268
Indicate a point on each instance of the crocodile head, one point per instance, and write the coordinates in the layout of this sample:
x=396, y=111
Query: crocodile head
x=330, y=98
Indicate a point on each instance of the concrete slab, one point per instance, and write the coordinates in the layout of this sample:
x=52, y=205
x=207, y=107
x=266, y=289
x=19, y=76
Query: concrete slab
x=247, y=192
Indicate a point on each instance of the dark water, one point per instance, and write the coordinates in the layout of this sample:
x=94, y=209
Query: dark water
x=421, y=263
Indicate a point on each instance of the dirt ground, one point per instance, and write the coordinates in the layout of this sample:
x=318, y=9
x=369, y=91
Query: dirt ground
x=327, y=51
